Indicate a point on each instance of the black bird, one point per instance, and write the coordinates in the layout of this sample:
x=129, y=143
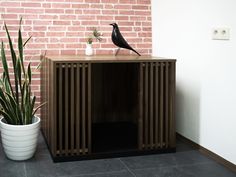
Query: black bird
x=119, y=40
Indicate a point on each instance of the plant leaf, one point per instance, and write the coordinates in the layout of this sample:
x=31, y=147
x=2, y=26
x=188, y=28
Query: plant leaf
x=7, y=118
x=5, y=67
x=36, y=109
x=29, y=73
x=27, y=41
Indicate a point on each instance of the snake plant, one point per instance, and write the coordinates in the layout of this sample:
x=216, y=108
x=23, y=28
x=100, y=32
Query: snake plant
x=16, y=98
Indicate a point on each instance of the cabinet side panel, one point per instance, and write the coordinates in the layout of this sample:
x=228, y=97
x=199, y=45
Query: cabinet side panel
x=172, y=104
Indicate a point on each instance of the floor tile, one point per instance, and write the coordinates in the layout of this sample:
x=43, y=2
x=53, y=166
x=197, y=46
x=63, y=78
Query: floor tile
x=166, y=160
x=162, y=172
x=10, y=168
x=190, y=157
x=115, y=174
x=197, y=170
x=182, y=147
x=148, y=161
x=44, y=167
x=209, y=170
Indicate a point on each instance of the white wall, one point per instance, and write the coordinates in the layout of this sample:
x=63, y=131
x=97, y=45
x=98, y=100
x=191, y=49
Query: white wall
x=206, y=69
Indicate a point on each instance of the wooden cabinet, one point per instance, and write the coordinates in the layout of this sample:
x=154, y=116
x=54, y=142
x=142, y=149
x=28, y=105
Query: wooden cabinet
x=106, y=106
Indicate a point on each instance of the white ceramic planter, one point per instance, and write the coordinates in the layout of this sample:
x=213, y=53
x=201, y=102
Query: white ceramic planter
x=89, y=49
x=19, y=141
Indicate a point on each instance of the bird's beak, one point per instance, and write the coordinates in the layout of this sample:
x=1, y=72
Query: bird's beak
x=111, y=24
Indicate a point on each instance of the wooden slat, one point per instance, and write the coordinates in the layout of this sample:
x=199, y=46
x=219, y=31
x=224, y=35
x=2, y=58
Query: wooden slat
x=78, y=110
x=140, y=118
x=72, y=108
x=161, y=105
x=60, y=108
x=83, y=109
x=66, y=110
x=151, y=104
x=156, y=105
x=89, y=108
x=146, y=105
x=54, y=112
x=166, y=104
x=71, y=151
x=172, y=105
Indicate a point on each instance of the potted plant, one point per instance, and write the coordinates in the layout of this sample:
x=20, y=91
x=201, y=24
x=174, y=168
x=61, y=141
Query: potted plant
x=18, y=123
x=95, y=35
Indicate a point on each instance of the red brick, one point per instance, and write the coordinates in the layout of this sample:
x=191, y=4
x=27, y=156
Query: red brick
x=57, y=28
x=96, y=6
x=68, y=52
x=74, y=34
x=92, y=1
x=126, y=12
x=91, y=23
x=55, y=46
x=66, y=17
x=69, y=11
x=34, y=11
x=80, y=6
x=127, y=1
x=27, y=4
x=53, y=52
x=46, y=16
x=46, y=5
x=68, y=40
x=144, y=13
x=109, y=12
x=121, y=18
x=55, y=11
x=61, y=5
x=73, y=46
x=10, y=4
x=85, y=17
x=54, y=34
x=92, y=12
x=126, y=23
x=15, y=10
x=123, y=7
x=111, y=18
x=109, y=1
x=140, y=7
x=76, y=28
x=39, y=28
x=9, y=16
x=66, y=22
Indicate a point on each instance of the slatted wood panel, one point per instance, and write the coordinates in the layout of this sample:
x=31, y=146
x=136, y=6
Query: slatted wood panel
x=156, y=105
x=73, y=109
x=47, y=110
x=66, y=118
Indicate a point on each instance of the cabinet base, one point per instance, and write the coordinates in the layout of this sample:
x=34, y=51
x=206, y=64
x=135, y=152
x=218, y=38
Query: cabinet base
x=112, y=155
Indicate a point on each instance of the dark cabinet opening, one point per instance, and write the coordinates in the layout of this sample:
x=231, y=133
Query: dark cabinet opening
x=114, y=107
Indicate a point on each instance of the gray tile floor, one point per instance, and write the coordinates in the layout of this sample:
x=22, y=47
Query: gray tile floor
x=186, y=162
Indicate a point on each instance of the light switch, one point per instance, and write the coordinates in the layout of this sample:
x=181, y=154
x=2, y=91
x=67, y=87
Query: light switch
x=220, y=34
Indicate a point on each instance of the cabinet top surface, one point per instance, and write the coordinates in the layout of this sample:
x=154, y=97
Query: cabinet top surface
x=106, y=58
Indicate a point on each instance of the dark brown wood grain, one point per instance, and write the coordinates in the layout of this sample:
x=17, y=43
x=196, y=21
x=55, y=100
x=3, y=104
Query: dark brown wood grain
x=85, y=93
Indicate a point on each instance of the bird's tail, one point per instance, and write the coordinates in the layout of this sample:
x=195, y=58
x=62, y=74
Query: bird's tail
x=135, y=52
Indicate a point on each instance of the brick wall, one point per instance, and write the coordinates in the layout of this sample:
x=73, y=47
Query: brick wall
x=61, y=26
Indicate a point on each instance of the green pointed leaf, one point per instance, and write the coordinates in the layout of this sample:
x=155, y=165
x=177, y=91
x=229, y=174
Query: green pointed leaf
x=27, y=41
x=8, y=118
x=13, y=54
x=29, y=73
x=36, y=109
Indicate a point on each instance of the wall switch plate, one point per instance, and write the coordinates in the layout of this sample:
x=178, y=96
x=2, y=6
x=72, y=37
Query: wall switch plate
x=220, y=34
